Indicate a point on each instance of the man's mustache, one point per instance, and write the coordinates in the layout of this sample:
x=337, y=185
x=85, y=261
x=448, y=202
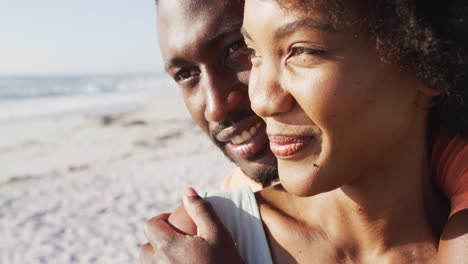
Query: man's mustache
x=227, y=123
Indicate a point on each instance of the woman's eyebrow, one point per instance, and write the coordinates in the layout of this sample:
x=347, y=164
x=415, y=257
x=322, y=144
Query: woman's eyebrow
x=305, y=23
x=296, y=25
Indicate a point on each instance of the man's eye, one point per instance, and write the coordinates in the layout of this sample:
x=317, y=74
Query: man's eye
x=237, y=56
x=235, y=47
x=185, y=74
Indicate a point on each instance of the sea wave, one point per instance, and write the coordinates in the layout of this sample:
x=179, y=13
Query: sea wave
x=27, y=87
x=30, y=97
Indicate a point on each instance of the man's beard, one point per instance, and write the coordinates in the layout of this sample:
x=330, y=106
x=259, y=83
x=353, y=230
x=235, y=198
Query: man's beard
x=265, y=176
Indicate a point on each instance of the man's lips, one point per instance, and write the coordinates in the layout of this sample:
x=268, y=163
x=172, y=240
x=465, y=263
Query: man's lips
x=255, y=143
x=245, y=138
x=241, y=131
x=286, y=147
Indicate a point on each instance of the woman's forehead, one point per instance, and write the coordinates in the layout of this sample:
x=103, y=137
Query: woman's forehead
x=340, y=15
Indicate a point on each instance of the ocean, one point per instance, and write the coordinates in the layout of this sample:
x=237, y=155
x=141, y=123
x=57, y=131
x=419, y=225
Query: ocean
x=26, y=97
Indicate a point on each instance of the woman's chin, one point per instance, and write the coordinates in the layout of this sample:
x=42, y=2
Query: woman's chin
x=303, y=184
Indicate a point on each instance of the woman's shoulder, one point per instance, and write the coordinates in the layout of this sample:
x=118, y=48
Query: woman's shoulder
x=273, y=198
x=236, y=201
x=276, y=207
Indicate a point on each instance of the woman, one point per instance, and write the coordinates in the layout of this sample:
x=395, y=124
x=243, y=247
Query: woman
x=349, y=110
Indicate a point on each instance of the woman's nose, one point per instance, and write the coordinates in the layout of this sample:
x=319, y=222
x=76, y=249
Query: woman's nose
x=267, y=94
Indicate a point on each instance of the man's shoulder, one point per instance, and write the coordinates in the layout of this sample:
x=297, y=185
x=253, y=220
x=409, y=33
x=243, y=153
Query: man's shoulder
x=236, y=172
x=237, y=178
x=228, y=179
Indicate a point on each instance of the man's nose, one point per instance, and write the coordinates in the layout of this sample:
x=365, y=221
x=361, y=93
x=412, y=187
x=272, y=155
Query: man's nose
x=268, y=96
x=223, y=94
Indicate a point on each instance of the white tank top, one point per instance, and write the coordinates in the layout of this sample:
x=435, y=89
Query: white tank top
x=238, y=211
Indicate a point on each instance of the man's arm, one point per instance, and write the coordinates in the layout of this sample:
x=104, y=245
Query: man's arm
x=172, y=237
x=453, y=247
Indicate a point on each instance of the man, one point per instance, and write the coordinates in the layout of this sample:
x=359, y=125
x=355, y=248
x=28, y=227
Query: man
x=204, y=52
x=206, y=55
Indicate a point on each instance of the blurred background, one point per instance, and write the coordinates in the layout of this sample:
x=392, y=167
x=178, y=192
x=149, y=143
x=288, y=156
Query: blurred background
x=94, y=137
x=82, y=49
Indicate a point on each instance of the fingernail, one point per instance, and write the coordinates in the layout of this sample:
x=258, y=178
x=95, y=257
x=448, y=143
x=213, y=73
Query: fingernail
x=190, y=192
x=145, y=229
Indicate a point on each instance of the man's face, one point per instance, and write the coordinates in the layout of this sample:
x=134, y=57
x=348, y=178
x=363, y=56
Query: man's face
x=205, y=54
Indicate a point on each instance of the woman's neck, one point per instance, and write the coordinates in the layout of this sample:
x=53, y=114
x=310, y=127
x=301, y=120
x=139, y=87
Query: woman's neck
x=385, y=207
x=383, y=210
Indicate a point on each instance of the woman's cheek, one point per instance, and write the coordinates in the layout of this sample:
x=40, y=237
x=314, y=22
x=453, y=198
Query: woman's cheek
x=318, y=95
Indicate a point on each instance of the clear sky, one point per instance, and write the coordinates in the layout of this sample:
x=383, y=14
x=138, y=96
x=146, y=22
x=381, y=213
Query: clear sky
x=42, y=37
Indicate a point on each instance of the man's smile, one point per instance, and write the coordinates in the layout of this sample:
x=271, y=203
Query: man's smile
x=245, y=138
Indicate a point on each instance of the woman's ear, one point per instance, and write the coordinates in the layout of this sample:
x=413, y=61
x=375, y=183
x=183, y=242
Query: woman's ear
x=433, y=91
x=428, y=97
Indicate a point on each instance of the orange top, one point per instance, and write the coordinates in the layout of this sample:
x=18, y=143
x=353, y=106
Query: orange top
x=450, y=165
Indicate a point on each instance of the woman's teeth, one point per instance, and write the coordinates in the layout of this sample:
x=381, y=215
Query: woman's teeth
x=246, y=134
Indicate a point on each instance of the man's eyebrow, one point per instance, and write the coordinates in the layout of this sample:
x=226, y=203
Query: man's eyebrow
x=224, y=31
x=307, y=23
x=175, y=63
x=221, y=33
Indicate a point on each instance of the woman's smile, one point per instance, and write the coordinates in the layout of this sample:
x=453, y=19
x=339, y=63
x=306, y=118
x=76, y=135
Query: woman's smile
x=288, y=146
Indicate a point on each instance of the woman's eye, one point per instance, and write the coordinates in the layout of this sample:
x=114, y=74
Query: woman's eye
x=305, y=51
x=185, y=74
x=304, y=56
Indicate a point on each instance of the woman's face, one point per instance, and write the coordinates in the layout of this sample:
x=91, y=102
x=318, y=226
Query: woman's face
x=334, y=112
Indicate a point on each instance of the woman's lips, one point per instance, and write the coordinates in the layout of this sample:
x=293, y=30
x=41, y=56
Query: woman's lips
x=286, y=147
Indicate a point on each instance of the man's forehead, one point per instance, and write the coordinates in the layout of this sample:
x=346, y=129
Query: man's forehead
x=203, y=16
x=182, y=28
x=196, y=9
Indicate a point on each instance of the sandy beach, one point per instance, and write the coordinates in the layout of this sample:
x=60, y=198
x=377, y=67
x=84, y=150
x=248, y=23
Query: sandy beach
x=77, y=188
